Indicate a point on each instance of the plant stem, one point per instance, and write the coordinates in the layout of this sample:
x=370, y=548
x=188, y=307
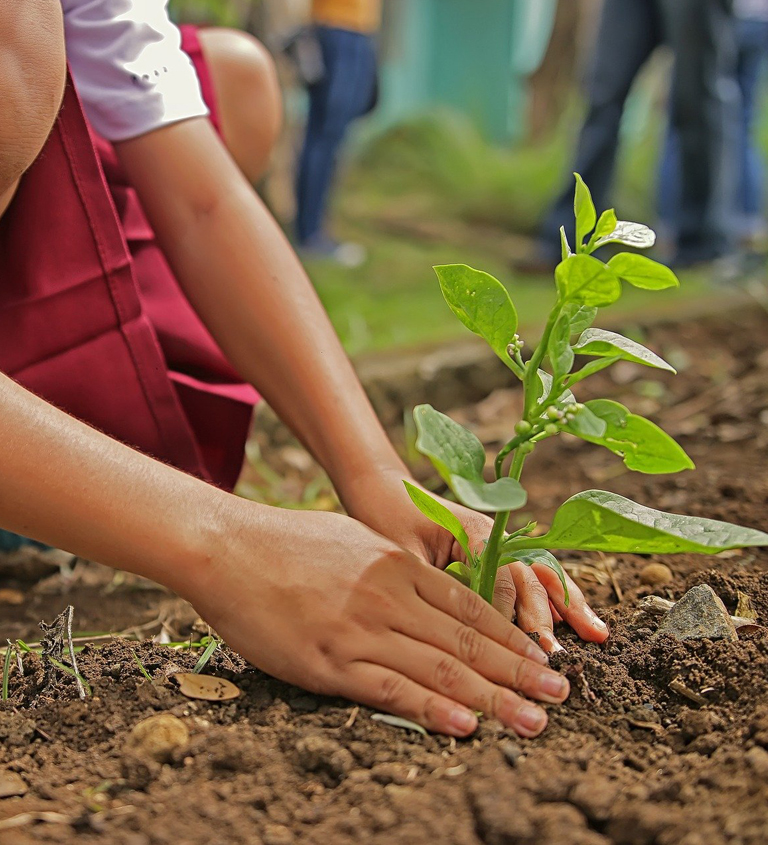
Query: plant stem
x=516, y=470
x=532, y=367
x=489, y=562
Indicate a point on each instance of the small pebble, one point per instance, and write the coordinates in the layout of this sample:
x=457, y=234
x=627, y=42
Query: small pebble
x=655, y=574
x=512, y=752
x=12, y=785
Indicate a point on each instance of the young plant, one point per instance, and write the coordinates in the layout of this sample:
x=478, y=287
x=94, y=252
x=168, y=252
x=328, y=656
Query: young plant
x=594, y=520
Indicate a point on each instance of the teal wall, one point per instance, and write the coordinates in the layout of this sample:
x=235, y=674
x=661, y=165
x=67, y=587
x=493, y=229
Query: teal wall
x=470, y=55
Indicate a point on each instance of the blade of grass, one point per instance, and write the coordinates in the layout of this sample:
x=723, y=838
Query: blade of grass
x=7, y=669
x=141, y=666
x=69, y=671
x=206, y=656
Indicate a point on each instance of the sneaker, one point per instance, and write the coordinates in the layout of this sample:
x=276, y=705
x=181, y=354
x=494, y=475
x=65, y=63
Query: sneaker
x=345, y=254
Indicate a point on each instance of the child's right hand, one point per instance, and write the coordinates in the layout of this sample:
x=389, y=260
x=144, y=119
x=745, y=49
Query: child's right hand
x=323, y=602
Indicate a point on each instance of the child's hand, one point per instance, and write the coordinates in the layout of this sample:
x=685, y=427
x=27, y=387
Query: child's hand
x=531, y=595
x=323, y=602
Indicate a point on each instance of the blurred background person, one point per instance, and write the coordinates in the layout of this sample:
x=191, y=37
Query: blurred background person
x=346, y=90
x=703, y=111
x=749, y=206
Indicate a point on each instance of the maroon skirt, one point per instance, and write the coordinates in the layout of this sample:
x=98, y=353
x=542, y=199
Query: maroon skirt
x=92, y=318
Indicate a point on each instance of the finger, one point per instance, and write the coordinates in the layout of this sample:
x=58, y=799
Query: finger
x=578, y=614
x=393, y=692
x=444, y=593
x=482, y=656
x=533, y=612
x=505, y=594
x=556, y=617
x=446, y=675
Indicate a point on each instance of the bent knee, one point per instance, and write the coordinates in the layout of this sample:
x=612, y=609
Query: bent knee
x=248, y=96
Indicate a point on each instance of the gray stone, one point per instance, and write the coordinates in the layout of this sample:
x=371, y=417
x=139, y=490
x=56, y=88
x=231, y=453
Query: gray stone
x=699, y=615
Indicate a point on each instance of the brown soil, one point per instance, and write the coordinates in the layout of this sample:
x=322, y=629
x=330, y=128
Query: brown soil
x=627, y=760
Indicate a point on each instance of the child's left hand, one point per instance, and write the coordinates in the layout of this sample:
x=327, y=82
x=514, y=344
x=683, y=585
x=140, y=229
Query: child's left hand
x=530, y=595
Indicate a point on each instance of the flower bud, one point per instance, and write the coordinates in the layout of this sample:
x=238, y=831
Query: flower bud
x=523, y=427
x=550, y=429
x=553, y=413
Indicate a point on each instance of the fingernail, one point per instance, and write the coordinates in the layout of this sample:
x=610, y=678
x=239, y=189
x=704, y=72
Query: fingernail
x=550, y=643
x=597, y=621
x=462, y=721
x=531, y=719
x=553, y=686
x=533, y=652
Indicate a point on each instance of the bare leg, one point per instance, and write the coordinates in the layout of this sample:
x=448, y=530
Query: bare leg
x=248, y=95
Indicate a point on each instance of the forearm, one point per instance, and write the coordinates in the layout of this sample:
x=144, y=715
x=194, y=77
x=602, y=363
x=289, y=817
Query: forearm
x=66, y=484
x=245, y=281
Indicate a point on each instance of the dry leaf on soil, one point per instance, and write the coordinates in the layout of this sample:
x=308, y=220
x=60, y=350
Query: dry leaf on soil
x=205, y=687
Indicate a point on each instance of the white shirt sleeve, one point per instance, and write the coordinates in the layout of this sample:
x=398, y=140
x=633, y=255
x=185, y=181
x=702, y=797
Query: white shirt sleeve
x=128, y=66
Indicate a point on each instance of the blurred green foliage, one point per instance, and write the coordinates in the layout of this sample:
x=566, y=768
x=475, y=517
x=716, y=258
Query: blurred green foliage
x=217, y=12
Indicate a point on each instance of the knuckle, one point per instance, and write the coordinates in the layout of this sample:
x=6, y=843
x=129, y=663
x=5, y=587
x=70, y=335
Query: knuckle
x=449, y=675
x=505, y=591
x=497, y=703
x=519, y=673
x=432, y=710
x=392, y=690
x=471, y=645
x=473, y=610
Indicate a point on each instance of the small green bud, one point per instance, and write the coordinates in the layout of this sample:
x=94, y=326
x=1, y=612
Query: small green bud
x=553, y=413
x=523, y=427
x=550, y=429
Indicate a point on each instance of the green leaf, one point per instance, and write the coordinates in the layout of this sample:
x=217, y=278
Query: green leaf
x=439, y=513
x=481, y=303
x=581, y=316
x=642, y=444
x=605, y=522
x=643, y=272
x=545, y=385
x=586, y=425
x=452, y=449
x=605, y=344
x=591, y=368
x=460, y=572
x=505, y=494
x=605, y=226
x=584, y=279
x=559, y=347
x=624, y=232
x=542, y=556
x=565, y=247
x=584, y=210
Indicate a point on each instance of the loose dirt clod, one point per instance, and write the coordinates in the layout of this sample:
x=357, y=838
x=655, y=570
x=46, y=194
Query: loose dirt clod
x=699, y=615
x=158, y=737
x=317, y=753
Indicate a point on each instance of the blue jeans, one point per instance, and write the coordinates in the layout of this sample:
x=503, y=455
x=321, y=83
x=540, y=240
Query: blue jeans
x=752, y=45
x=704, y=101
x=346, y=92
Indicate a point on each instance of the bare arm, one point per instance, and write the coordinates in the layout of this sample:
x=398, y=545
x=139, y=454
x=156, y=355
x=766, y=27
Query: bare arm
x=239, y=271
x=247, y=284
x=32, y=71
x=315, y=599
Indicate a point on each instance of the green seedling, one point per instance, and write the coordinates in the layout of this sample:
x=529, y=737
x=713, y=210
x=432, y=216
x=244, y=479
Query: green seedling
x=202, y=662
x=594, y=520
x=9, y=653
